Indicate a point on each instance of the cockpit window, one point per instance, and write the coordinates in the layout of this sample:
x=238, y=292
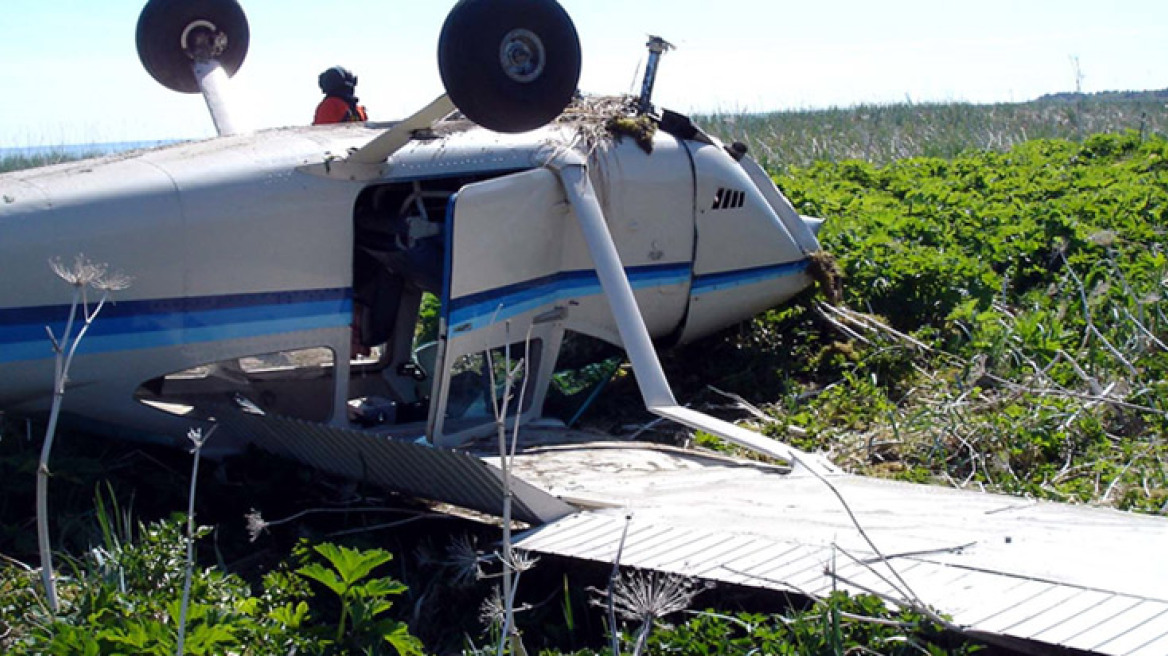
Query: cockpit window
x=480, y=381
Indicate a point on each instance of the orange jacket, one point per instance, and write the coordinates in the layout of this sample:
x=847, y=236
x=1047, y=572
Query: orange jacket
x=335, y=110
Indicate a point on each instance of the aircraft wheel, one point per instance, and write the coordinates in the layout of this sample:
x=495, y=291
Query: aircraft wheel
x=172, y=33
x=509, y=65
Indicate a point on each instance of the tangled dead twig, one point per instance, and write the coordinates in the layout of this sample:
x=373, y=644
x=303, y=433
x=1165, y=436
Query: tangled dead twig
x=602, y=119
x=870, y=324
x=754, y=410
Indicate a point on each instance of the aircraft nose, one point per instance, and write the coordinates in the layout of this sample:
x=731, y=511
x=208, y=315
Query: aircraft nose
x=814, y=224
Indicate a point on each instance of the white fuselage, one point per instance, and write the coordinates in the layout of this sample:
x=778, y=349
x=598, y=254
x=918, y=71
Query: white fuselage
x=245, y=245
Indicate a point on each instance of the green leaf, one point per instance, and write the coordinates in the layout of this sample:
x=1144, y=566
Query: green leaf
x=249, y=606
x=404, y=643
x=325, y=577
x=289, y=615
x=383, y=587
x=209, y=639
x=353, y=564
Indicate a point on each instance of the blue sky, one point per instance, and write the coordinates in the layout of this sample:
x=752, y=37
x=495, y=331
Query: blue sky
x=69, y=72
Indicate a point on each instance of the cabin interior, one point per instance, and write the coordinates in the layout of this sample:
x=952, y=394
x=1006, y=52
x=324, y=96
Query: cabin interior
x=397, y=282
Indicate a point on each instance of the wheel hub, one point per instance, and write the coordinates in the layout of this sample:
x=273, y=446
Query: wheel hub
x=522, y=55
x=202, y=41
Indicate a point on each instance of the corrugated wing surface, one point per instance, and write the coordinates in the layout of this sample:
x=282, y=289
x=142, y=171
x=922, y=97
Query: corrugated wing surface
x=416, y=470
x=1003, y=568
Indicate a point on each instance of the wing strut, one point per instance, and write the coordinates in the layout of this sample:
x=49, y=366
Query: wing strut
x=650, y=377
x=392, y=140
x=366, y=162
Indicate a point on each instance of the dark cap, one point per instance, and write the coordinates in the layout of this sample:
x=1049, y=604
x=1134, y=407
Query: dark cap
x=337, y=81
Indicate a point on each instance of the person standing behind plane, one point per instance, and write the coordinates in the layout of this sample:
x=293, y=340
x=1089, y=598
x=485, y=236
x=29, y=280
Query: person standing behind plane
x=340, y=103
x=340, y=106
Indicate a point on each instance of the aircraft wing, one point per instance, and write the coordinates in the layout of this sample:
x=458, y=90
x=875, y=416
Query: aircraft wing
x=1019, y=572
x=412, y=468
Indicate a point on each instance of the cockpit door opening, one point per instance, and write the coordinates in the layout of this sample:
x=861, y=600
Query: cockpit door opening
x=505, y=300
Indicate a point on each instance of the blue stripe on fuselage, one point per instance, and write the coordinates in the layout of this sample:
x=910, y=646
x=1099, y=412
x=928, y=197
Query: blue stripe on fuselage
x=132, y=325
x=477, y=310
x=716, y=282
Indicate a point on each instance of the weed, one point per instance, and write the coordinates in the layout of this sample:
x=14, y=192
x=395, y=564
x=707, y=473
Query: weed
x=125, y=598
x=649, y=597
x=198, y=439
x=363, y=600
x=841, y=624
x=82, y=275
x=1017, y=327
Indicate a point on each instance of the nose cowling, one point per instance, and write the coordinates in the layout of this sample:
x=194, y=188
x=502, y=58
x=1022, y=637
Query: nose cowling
x=813, y=224
x=751, y=245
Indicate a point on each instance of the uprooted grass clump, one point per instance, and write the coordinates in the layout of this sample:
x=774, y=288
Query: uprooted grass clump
x=823, y=269
x=640, y=129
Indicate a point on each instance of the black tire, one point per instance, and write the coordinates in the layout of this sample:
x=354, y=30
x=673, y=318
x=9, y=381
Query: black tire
x=523, y=96
x=160, y=30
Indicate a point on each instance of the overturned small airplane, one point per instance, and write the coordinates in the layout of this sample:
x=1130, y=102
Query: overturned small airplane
x=278, y=280
x=262, y=262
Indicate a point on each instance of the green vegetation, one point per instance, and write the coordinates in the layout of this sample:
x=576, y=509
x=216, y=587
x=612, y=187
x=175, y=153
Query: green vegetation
x=21, y=162
x=840, y=625
x=363, y=601
x=1012, y=333
x=1002, y=326
x=122, y=597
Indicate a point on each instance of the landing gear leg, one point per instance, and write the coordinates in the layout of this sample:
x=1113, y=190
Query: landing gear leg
x=635, y=336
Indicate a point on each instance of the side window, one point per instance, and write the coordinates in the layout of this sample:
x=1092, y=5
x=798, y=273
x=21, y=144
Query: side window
x=478, y=383
x=283, y=361
x=296, y=383
x=584, y=368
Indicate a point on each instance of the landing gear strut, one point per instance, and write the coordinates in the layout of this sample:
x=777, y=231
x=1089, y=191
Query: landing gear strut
x=193, y=46
x=173, y=34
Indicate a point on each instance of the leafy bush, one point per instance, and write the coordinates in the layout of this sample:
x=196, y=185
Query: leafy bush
x=840, y=624
x=1014, y=330
x=123, y=597
x=363, y=600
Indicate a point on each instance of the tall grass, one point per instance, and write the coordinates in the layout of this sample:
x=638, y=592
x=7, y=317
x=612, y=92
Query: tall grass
x=28, y=157
x=881, y=134
x=34, y=160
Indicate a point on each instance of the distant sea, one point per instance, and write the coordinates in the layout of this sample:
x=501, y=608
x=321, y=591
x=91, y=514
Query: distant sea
x=80, y=150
